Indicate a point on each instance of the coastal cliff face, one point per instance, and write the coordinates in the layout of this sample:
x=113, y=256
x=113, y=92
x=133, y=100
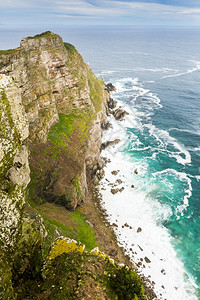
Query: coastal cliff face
x=57, y=87
x=52, y=108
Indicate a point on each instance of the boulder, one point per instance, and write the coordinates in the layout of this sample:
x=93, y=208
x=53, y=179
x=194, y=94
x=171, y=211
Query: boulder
x=109, y=143
x=109, y=87
x=111, y=103
x=114, y=191
x=106, y=126
x=147, y=260
x=119, y=114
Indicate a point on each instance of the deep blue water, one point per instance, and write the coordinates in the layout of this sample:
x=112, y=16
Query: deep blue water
x=158, y=76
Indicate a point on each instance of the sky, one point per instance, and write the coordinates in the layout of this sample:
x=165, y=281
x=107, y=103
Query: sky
x=34, y=13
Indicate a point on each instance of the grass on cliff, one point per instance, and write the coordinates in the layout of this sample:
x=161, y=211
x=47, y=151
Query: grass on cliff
x=9, y=51
x=96, y=91
x=69, y=224
x=45, y=34
x=60, y=134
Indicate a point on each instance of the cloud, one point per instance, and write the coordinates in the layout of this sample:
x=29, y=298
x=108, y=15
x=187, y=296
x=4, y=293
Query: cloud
x=105, y=11
x=86, y=8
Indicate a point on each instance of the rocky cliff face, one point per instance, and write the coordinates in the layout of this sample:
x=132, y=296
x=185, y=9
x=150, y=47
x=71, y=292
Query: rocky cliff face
x=57, y=87
x=52, y=107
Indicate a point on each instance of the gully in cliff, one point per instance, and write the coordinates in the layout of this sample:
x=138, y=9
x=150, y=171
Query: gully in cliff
x=53, y=109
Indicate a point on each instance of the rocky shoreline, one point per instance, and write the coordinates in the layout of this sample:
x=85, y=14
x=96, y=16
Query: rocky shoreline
x=106, y=237
x=53, y=110
x=101, y=226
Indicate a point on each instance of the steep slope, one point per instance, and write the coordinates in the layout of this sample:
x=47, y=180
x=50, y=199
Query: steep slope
x=58, y=88
x=52, y=109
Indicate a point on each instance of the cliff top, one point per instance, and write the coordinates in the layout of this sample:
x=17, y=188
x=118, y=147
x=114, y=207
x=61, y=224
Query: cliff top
x=46, y=34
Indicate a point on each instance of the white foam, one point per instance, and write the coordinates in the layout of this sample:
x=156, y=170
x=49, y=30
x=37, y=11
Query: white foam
x=137, y=90
x=196, y=68
x=165, y=139
x=134, y=208
x=185, y=130
x=188, y=192
x=137, y=208
x=198, y=177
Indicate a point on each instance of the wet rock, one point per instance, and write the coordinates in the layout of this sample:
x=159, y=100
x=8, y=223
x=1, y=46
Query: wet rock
x=111, y=103
x=106, y=126
x=109, y=143
x=114, y=172
x=109, y=87
x=163, y=272
x=132, y=186
x=147, y=260
x=119, y=114
x=162, y=286
x=140, y=248
x=119, y=181
x=114, y=191
x=101, y=173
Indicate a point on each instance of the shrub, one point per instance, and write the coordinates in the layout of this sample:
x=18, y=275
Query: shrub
x=126, y=284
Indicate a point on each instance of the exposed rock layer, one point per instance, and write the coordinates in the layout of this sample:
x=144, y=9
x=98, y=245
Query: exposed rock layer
x=52, y=107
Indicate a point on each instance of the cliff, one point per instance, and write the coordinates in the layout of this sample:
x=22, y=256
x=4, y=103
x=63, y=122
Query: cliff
x=53, y=109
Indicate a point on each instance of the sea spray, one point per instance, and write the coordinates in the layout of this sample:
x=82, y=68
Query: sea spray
x=153, y=194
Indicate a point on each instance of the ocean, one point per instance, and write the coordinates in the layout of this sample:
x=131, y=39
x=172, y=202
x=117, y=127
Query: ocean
x=156, y=73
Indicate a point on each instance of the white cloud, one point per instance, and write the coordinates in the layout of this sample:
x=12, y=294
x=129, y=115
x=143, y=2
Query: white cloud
x=108, y=11
x=190, y=11
x=83, y=7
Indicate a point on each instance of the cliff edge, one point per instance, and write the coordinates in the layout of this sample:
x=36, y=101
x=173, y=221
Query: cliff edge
x=53, y=109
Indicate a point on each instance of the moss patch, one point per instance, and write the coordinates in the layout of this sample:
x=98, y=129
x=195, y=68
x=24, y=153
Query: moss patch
x=69, y=224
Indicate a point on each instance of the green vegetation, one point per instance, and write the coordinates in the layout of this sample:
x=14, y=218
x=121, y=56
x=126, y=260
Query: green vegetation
x=76, y=66
x=85, y=234
x=9, y=51
x=60, y=132
x=126, y=284
x=69, y=224
x=96, y=91
x=82, y=275
x=8, y=132
x=46, y=34
x=70, y=49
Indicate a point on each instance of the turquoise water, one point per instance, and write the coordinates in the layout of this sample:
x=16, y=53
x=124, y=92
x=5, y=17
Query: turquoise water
x=157, y=75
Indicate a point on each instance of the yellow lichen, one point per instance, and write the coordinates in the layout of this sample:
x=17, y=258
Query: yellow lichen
x=65, y=246
x=96, y=251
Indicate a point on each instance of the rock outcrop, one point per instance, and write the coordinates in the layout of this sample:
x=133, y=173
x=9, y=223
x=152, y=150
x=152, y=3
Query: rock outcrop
x=52, y=109
x=57, y=87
